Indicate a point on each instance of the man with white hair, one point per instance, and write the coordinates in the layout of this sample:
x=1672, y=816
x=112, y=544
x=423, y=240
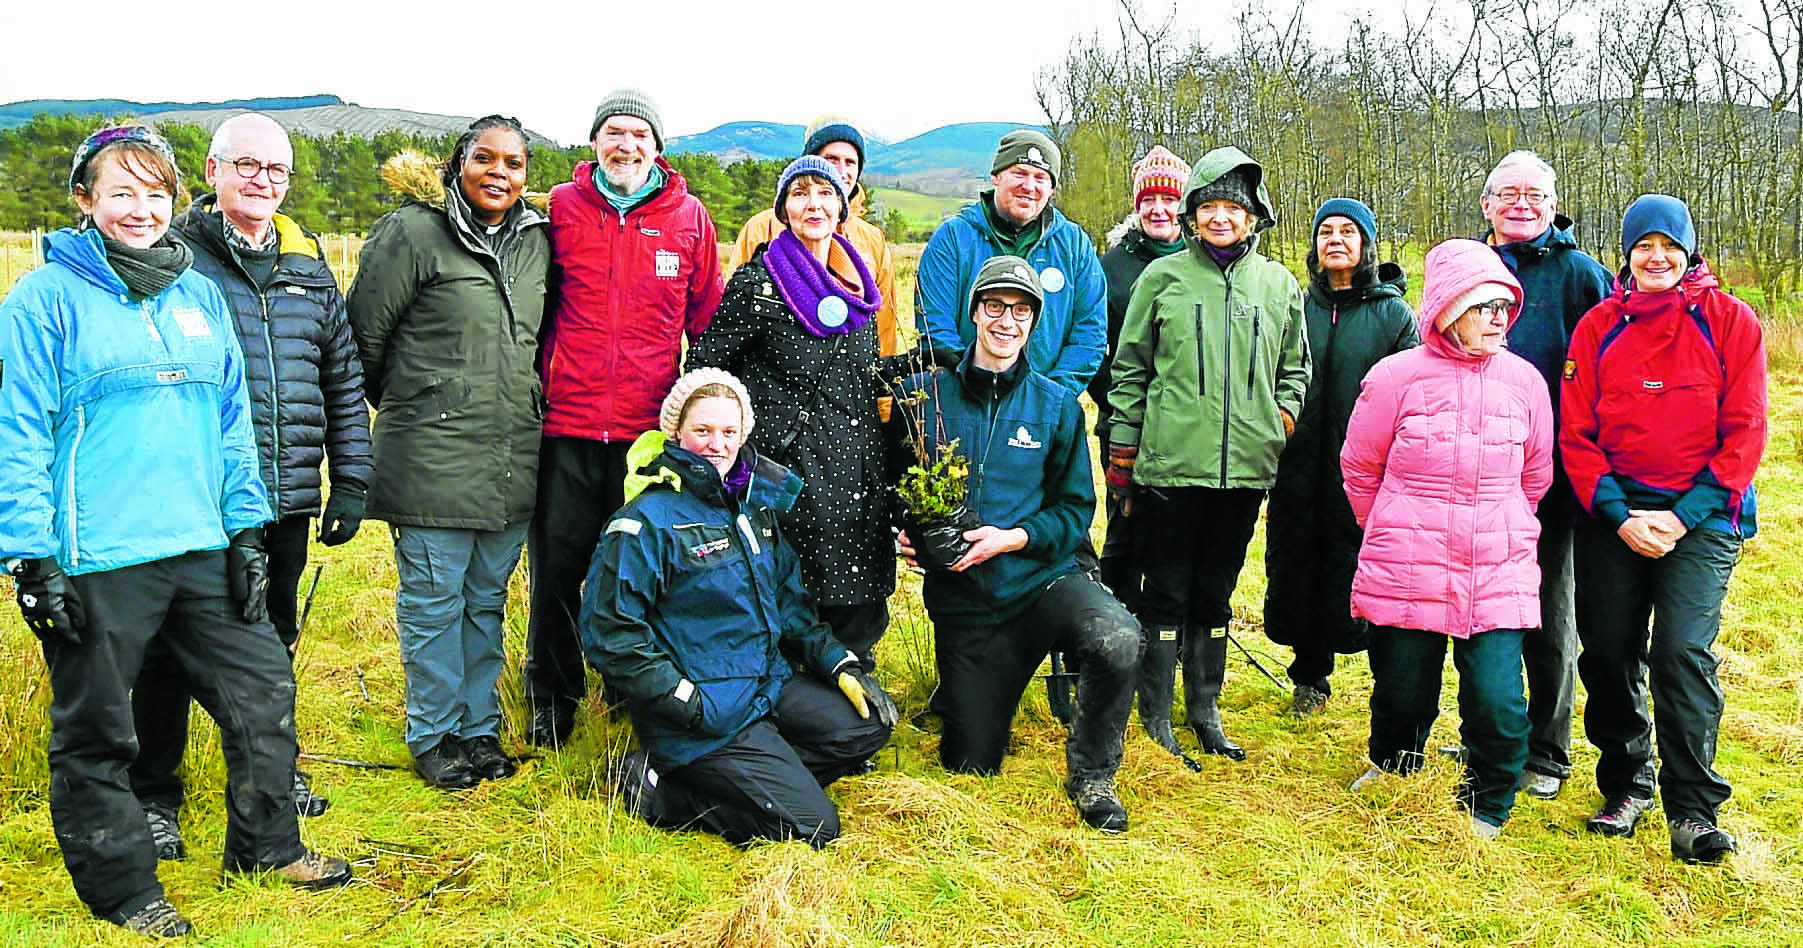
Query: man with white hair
x=1559, y=284
x=306, y=393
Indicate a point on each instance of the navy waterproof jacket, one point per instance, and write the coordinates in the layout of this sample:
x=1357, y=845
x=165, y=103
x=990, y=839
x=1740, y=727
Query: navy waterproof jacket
x=300, y=360
x=1029, y=468
x=690, y=582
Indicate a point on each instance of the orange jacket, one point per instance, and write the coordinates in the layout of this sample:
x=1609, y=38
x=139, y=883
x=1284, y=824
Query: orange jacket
x=865, y=236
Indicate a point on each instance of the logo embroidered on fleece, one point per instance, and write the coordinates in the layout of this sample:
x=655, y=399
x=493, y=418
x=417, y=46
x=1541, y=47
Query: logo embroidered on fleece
x=1652, y=385
x=1571, y=369
x=1023, y=439
x=704, y=550
x=669, y=265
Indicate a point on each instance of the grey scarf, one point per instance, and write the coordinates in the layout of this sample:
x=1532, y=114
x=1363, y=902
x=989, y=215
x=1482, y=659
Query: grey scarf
x=149, y=271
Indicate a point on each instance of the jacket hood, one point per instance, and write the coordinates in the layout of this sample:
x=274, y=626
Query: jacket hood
x=1454, y=268
x=416, y=177
x=1217, y=163
x=675, y=188
x=654, y=461
x=1558, y=236
x=83, y=253
x=1697, y=281
x=203, y=223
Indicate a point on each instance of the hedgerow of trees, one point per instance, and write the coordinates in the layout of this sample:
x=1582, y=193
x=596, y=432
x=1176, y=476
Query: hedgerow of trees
x=335, y=188
x=1695, y=98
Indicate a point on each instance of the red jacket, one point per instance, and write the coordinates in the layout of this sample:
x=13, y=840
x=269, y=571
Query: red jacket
x=1665, y=391
x=627, y=289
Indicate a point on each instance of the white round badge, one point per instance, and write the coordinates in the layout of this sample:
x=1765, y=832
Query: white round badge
x=1051, y=279
x=831, y=311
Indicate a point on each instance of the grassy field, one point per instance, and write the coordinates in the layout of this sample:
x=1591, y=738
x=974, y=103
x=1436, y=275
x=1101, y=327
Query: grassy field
x=921, y=210
x=1271, y=851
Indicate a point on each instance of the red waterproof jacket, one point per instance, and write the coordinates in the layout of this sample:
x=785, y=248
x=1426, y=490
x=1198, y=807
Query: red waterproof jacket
x=1665, y=394
x=627, y=289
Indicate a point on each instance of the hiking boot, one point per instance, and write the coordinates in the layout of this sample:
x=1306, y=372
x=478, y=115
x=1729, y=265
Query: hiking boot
x=1699, y=841
x=632, y=781
x=306, y=802
x=1365, y=779
x=551, y=725
x=1540, y=786
x=1484, y=829
x=486, y=757
x=1307, y=700
x=445, y=766
x=313, y=871
x=165, y=832
x=159, y=918
x=1620, y=816
x=1098, y=804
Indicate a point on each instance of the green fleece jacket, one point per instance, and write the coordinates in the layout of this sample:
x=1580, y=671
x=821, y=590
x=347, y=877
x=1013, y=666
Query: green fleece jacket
x=1208, y=357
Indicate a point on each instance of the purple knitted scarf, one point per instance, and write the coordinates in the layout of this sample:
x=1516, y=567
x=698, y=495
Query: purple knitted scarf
x=820, y=302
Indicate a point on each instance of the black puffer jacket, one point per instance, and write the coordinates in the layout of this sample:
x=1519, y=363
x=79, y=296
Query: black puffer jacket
x=300, y=360
x=1312, y=540
x=1128, y=253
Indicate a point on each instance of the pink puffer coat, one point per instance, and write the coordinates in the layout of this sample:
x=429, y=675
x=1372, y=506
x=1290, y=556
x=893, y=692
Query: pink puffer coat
x=1445, y=457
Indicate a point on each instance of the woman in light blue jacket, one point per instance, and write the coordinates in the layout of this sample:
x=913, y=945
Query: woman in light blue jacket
x=131, y=511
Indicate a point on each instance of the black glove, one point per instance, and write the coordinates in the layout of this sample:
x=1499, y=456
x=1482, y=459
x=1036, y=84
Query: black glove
x=344, y=512
x=866, y=694
x=247, y=571
x=681, y=705
x=48, y=601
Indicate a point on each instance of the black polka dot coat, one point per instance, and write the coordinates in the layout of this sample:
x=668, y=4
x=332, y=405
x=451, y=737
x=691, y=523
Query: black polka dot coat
x=840, y=525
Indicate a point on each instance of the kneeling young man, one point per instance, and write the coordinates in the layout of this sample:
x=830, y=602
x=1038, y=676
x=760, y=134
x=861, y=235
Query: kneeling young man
x=1018, y=593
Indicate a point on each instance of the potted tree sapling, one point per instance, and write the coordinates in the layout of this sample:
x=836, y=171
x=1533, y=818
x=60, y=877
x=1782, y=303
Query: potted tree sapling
x=933, y=486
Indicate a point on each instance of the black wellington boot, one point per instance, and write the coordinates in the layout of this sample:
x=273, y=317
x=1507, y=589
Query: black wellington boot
x=1204, y=671
x=1156, y=684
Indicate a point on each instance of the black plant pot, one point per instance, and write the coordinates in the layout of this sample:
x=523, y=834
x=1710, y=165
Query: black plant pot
x=940, y=543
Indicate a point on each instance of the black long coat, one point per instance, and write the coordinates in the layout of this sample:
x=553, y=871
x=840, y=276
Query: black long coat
x=1312, y=540
x=840, y=525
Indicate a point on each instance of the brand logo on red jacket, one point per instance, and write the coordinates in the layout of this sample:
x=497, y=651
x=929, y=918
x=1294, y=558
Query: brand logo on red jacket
x=669, y=265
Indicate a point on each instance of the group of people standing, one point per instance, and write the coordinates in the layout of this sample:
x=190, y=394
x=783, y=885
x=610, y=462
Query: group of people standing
x=716, y=534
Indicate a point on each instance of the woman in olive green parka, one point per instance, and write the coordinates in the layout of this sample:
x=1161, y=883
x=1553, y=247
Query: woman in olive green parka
x=1209, y=376
x=446, y=309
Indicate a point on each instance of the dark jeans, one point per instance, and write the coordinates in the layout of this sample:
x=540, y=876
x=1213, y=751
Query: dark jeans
x=1191, y=543
x=581, y=484
x=238, y=671
x=1493, y=717
x=161, y=698
x=984, y=670
x=768, y=782
x=1682, y=592
x=1550, y=653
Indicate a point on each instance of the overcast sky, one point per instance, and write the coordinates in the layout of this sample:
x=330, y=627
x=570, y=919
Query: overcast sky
x=898, y=68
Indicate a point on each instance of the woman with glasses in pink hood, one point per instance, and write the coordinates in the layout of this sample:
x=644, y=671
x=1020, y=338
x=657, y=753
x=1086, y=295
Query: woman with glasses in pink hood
x=1448, y=450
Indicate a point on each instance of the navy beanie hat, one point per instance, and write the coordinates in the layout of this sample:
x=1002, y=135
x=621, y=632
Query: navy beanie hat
x=815, y=166
x=827, y=129
x=1353, y=210
x=1658, y=213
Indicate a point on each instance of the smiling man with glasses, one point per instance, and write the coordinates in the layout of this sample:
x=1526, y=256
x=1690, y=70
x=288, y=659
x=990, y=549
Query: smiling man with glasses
x=1559, y=284
x=306, y=393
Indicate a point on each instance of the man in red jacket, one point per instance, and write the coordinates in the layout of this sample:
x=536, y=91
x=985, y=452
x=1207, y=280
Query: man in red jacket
x=637, y=268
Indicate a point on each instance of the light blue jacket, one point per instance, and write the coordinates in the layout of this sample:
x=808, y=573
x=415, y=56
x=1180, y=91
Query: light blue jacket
x=1071, y=334
x=126, y=425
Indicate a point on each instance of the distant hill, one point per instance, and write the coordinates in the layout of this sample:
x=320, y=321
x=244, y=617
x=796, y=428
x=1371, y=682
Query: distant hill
x=952, y=160
x=18, y=113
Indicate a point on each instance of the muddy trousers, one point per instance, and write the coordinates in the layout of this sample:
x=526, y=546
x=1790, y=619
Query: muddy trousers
x=161, y=699
x=239, y=673
x=769, y=781
x=984, y=670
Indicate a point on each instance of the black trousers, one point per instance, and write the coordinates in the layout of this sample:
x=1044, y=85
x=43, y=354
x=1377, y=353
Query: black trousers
x=858, y=626
x=769, y=782
x=1550, y=653
x=161, y=699
x=580, y=485
x=1119, y=563
x=1618, y=590
x=984, y=670
x=238, y=671
x=1191, y=543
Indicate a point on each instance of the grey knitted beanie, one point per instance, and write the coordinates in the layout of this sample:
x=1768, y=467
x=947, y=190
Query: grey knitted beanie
x=629, y=102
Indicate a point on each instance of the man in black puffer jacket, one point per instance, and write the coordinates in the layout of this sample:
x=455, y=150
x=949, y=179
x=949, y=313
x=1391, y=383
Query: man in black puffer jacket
x=306, y=393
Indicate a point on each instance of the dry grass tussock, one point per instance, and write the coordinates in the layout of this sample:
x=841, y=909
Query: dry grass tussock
x=1271, y=851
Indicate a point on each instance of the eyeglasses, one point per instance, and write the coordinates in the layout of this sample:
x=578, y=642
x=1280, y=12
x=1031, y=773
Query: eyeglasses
x=250, y=167
x=995, y=309
x=1509, y=196
x=1491, y=310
